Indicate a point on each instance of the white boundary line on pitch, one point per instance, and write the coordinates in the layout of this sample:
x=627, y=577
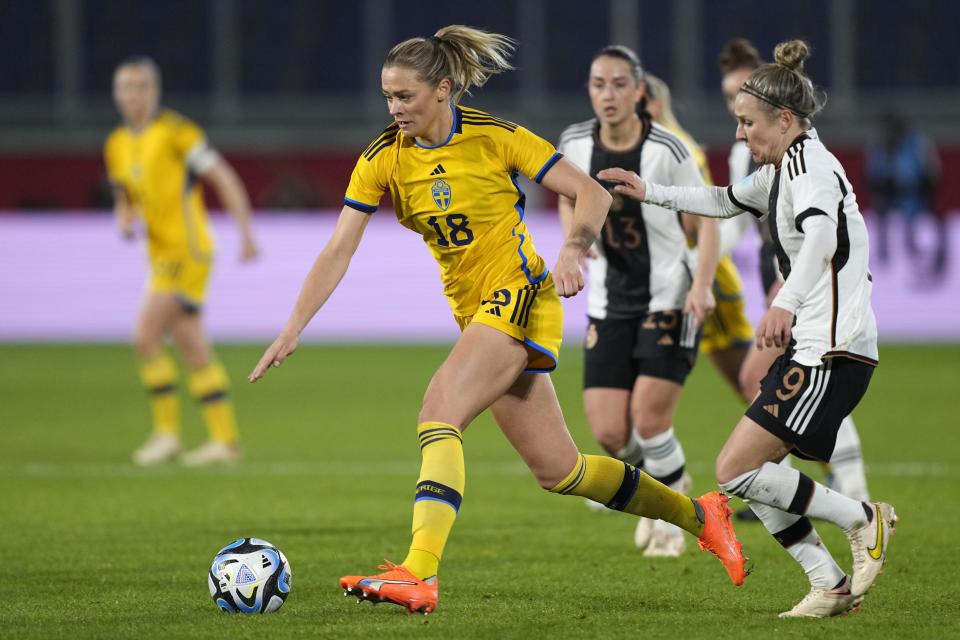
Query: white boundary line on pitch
x=395, y=467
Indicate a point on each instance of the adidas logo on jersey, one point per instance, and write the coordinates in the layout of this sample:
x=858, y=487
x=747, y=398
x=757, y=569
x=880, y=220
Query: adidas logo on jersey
x=665, y=341
x=772, y=409
x=438, y=170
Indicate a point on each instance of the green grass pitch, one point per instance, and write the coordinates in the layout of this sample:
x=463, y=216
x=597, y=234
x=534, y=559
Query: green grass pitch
x=96, y=548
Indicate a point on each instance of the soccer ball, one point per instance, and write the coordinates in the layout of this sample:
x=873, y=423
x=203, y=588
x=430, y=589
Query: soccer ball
x=249, y=575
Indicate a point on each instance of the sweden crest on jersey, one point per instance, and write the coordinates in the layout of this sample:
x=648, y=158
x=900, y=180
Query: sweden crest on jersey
x=441, y=194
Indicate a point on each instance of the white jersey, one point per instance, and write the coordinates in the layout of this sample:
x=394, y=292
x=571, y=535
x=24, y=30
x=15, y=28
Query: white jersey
x=643, y=261
x=835, y=319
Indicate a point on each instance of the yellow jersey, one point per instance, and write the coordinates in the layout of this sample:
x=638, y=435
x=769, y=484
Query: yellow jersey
x=158, y=168
x=462, y=196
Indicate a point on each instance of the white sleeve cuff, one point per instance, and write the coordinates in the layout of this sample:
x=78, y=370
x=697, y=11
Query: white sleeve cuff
x=712, y=202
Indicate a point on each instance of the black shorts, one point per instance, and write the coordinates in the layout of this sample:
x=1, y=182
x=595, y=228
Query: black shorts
x=662, y=344
x=805, y=405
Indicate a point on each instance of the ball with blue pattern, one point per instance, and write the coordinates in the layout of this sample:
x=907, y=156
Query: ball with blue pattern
x=249, y=575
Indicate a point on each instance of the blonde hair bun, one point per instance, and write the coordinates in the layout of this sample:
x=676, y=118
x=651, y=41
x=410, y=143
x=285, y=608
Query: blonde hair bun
x=791, y=54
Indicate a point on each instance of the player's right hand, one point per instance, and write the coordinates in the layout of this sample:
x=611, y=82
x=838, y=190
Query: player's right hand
x=567, y=274
x=775, y=329
x=275, y=354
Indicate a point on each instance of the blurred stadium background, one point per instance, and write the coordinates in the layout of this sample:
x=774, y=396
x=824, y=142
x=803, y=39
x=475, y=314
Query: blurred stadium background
x=289, y=91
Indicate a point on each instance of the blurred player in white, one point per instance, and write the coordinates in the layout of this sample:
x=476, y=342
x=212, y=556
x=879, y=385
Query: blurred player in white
x=727, y=333
x=649, y=294
x=821, y=314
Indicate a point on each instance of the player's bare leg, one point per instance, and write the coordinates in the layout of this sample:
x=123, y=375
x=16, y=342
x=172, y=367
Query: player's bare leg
x=158, y=372
x=729, y=363
x=209, y=386
x=480, y=367
x=653, y=404
x=608, y=412
x=530, y=417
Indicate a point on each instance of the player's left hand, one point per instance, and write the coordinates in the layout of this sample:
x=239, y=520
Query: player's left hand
x=775, y=328
x=701, y=303
x=567, y=274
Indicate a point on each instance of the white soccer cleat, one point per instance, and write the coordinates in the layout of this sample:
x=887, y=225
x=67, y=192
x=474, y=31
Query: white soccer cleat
x=159, y=448
x=211, y=452
x=869, y=547
x=641, y=536
x=666, y=540
x=825, y=603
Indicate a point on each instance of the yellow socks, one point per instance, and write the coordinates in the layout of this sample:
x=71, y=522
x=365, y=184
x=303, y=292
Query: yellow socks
x=438, y=496
x=623, y=487
x=209, y=385
x=159, y=377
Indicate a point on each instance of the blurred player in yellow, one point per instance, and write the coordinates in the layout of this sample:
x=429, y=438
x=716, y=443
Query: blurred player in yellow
x=451, y=172
x=154, y=160
x=727, y=334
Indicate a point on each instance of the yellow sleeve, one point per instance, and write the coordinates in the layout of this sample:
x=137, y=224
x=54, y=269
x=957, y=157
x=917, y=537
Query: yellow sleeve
x=185, y=136
x=369, y=180
x=528, y=153
x=111, y=159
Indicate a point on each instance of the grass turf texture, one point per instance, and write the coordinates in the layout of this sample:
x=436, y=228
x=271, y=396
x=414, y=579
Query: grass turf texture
x=96, y=548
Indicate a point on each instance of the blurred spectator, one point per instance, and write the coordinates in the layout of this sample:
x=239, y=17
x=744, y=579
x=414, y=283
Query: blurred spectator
x=903, y=170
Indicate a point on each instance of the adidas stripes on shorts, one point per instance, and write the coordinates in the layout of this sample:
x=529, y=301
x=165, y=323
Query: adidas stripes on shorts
x=804, y=405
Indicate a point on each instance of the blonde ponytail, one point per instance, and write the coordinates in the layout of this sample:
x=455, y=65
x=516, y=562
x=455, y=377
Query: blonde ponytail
x=466, y=55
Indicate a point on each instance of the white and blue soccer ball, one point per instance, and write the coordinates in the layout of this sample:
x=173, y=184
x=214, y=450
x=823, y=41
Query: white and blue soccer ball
x=249, y=575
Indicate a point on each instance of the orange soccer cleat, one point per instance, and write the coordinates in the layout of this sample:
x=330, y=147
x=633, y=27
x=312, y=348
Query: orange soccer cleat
x=718, y=536
x=397, y=585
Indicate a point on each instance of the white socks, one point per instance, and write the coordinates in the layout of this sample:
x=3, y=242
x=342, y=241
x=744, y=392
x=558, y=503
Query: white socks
x=791, y=491
x=663, y=458
x=797, y=535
